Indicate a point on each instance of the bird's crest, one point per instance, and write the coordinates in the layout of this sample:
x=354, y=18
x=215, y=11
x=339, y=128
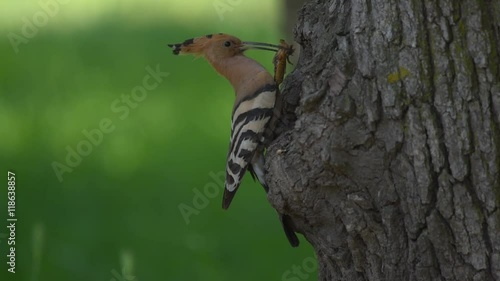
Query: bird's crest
x=196, y=46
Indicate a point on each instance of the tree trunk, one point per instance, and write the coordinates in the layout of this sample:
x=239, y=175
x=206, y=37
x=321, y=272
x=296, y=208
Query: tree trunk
x=387, y=158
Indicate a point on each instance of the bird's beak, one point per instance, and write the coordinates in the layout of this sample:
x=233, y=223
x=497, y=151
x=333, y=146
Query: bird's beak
x=260, y=46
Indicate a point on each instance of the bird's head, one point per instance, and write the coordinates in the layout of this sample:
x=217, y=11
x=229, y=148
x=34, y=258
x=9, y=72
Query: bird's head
x=216, y=47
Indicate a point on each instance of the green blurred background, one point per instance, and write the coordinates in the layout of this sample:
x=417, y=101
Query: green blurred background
x=117, y=212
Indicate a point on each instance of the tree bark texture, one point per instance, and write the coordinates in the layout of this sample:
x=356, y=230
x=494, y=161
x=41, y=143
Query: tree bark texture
x=387, y=158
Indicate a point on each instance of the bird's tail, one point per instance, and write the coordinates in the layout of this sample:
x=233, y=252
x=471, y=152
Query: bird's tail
x=256, y=169
x=287, y=224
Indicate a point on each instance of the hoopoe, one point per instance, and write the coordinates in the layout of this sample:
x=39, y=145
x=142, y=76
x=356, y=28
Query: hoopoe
x=255, y=91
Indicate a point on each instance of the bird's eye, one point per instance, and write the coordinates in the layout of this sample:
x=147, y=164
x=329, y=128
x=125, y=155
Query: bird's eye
x=227, y=43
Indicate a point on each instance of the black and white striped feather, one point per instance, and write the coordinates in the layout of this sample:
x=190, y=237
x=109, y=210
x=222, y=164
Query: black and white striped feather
x=250, y=118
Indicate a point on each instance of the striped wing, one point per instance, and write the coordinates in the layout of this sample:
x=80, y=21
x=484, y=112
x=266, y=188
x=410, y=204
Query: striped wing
x=250, y=118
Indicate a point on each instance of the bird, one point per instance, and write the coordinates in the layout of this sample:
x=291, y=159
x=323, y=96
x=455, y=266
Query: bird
x=255, y=91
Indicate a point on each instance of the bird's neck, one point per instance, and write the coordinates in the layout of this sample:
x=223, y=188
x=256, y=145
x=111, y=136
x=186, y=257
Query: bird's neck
x=242, y=72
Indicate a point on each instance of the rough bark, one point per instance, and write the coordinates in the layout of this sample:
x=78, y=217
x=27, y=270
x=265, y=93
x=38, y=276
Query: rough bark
x=388, y=156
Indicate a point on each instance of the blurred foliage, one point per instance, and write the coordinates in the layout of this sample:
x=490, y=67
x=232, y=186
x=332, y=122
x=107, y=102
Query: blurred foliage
x=117, y=212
